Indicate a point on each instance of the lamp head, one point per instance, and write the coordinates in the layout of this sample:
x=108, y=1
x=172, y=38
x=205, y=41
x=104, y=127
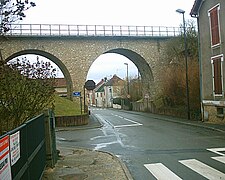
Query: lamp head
x=180, y=11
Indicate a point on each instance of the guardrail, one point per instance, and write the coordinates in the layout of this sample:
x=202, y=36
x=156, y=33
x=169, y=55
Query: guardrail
x=91, y=30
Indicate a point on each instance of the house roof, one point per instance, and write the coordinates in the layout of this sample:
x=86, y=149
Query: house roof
x=60, y=82
x=114, y=80
x=196, y=7
x=100, y=88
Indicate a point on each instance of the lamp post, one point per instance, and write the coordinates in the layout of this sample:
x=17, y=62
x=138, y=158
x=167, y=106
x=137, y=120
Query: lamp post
x=128, y=92
x=186, y=63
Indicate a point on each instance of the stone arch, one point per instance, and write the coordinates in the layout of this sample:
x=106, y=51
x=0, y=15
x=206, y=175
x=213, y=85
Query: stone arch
x=143, y=68
x=54, y=59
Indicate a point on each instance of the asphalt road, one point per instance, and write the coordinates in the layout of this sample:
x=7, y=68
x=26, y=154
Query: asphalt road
x=153, y=148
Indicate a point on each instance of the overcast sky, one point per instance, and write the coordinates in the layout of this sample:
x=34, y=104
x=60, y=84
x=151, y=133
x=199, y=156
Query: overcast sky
x=104, y=12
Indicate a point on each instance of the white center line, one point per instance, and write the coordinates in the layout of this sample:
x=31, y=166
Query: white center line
x=126, y=125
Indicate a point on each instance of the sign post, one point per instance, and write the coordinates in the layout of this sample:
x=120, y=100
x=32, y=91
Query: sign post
x=78, y=94
x=89, y=85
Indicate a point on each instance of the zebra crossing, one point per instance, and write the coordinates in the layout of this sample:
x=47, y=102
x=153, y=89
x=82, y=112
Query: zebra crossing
x=160, y=171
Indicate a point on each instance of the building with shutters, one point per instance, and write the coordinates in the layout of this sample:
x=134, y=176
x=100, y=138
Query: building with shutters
x=105, y=91
x=210, y=16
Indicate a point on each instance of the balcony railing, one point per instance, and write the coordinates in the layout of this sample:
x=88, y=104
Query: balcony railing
x=91, y=30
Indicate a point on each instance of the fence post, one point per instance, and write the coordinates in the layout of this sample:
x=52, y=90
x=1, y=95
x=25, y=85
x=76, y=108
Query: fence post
x=50, y=140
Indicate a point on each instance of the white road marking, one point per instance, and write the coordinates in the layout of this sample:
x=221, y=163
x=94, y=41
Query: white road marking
x=127, y=125
x=220, y=159
x=61, y=139
x=217, y=151
x=133, y=121
x=161, y=172
x=203, y=169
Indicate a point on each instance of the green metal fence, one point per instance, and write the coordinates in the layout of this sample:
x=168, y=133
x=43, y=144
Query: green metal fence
x=32, y=150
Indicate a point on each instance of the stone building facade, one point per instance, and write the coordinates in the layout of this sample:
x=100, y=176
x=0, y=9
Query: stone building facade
x=210, y=16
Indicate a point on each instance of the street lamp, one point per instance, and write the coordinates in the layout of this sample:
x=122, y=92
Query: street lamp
x=186, y=63
x=127, y=79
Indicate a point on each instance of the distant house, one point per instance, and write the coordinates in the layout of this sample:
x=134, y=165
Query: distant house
x=210, y=15
x=60, y=86
x=99, y=95
x=105, y=91
x=113, y=89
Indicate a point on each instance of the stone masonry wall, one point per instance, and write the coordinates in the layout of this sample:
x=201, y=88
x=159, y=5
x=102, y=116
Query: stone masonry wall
x=78, y=54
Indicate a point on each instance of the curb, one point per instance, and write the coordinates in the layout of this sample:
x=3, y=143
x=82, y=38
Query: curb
x=74, y=128
x=192, y=124
x=166, y=118
x=124, y=167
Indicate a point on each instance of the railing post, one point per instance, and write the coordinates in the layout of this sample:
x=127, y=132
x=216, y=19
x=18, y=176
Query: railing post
x=68, y=29
x=86, y=30
x=129, y=30
x=21, y=30
x=40, y=30
x=136, y=31
x=50, y=29
x=31, y=29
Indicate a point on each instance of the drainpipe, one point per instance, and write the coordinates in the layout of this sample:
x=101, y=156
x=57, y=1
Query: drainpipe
x=200, y=68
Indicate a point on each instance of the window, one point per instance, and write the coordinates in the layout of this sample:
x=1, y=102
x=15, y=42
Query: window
x=217, y=75
x=214, y=25
x=220, y=112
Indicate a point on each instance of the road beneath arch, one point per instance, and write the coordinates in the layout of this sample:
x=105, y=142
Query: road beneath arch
x=153, y=147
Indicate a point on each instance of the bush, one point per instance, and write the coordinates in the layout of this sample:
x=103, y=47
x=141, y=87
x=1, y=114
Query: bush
x=25, y=91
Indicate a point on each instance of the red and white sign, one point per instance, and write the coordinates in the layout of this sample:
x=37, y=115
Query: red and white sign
x=5, y=168
x=15, y=147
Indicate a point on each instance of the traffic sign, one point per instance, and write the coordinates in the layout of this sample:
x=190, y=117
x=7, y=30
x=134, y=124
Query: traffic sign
x=89, y=85
x=76, y=94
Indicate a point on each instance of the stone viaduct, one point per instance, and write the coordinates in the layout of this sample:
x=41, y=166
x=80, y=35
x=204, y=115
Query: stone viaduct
x=75, y=54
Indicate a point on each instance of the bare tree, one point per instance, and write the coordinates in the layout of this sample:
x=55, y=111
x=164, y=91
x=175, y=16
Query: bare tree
x=12, y=11
x=174, y=83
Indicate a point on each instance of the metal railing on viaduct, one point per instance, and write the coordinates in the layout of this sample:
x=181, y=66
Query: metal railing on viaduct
x=91, y=30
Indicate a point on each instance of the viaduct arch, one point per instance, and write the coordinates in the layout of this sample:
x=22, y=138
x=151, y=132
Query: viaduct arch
x=74, y=55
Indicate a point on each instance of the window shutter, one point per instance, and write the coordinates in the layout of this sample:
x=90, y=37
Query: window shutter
x=217, y=76
x=214, y=22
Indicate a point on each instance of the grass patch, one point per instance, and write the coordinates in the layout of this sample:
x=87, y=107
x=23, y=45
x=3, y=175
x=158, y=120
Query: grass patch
x=66, y=107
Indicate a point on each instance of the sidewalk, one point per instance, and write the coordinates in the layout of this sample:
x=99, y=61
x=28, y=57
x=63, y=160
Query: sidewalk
x=80, y=164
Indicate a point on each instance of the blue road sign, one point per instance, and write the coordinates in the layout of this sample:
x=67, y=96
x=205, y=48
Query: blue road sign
x=76, y=94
